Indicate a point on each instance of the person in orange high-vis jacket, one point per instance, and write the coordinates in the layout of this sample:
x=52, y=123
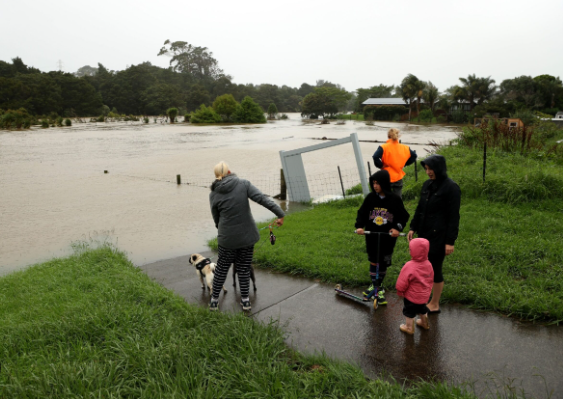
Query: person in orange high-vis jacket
x=393, y=157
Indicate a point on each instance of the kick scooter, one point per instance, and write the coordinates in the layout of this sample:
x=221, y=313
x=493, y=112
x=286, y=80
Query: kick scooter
x=373, y=293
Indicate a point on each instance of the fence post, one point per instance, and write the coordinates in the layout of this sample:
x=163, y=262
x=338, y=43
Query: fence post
x=178, y=179
x=341, y=184
x=484, y=161
x=283, y=187
x=369, y=169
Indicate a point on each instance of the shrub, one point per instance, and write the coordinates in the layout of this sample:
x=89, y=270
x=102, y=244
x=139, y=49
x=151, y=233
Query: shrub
x=384, y=112
x=460, y=116
x=44, y=124
x=68, y=122
x=249, y=112
x=172, y=113
x=425, y=116
x=145, y=119
x=225, y=105
x=16, y=119
x=187, y=118
x=205, y=115
x=272, y=111
x=525, y=115
x=106, y=111
x=284, y=116
x=59, y=121
x=550, y=111
x=100, y=118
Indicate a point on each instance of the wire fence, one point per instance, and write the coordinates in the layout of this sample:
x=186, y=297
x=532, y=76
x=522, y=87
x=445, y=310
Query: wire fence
x=336, y=183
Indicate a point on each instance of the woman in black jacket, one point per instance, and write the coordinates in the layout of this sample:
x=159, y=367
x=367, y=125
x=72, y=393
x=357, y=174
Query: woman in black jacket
x=437, y=219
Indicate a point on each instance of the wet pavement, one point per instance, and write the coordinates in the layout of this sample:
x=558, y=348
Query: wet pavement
x=490, y=351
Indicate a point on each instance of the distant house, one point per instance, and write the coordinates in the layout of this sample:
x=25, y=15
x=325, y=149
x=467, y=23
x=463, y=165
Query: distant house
x=389, y=101
x=511, y=122
x=462, y=105
x=559, y=115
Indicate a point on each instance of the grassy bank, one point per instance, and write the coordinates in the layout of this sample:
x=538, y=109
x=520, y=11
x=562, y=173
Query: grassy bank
x=93, y=325
x=508, y=257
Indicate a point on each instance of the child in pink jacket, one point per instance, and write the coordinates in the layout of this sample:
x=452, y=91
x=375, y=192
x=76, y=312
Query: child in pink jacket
x=415, y=285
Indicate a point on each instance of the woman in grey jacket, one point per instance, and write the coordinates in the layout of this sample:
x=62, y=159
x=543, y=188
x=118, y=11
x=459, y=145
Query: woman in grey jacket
x=237, y=231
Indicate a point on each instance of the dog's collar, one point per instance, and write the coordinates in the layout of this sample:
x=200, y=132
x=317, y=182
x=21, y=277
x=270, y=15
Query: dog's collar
x=202, y=264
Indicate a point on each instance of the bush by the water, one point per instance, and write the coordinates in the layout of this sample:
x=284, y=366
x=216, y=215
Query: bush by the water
x=460, y=116
x=68, y=122
x=225, y=106
x=16, y=119
x=205, y=115
x=172, y=113
x=272, y=111
x=384, y=112
x=426, y=115
x=248, y=111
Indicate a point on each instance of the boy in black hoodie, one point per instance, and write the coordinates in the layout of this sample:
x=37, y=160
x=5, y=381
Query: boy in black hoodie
x=381, y=212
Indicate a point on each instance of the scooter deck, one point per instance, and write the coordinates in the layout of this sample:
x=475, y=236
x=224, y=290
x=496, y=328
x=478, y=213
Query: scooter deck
x=339, y=291
x=351, y=296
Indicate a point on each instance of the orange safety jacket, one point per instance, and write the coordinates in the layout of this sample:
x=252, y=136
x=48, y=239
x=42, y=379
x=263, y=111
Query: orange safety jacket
x=395, y=156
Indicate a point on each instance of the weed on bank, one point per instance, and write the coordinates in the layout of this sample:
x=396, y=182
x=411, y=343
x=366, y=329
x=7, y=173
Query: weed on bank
x=93, y=325
x=508, y=256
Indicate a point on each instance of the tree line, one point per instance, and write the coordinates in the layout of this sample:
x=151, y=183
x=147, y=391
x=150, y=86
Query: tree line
x=194, y=78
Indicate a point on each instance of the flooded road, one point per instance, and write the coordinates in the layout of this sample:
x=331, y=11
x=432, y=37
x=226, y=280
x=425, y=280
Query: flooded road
x=54, y=192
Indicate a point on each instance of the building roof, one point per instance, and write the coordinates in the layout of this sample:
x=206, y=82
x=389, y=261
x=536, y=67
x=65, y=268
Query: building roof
x=385, y=101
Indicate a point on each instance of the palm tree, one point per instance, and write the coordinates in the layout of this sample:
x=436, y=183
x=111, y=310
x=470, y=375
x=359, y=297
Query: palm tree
x=430, y=94
x=478, y=89
x=409, y=90
x=419, y=86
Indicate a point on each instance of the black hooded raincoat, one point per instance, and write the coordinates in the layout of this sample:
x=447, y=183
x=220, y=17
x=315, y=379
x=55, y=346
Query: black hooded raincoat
x=437, y=215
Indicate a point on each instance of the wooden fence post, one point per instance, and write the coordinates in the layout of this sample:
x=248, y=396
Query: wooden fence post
x=178, y=179
x=283, y=187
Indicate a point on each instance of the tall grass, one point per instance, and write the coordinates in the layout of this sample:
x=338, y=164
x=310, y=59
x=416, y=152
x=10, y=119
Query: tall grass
x=93, y=325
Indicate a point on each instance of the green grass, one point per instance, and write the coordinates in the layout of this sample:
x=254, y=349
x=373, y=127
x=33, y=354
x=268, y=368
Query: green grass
x=508, y=256
x=351, y=117
x=93, y=325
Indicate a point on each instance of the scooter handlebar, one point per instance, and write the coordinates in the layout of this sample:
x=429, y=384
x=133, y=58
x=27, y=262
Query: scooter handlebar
x=377, y=232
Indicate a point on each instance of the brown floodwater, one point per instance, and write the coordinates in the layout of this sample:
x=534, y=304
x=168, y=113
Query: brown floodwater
x=54, y=192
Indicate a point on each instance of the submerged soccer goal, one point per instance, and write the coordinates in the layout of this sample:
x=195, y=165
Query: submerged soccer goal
x=294, y=170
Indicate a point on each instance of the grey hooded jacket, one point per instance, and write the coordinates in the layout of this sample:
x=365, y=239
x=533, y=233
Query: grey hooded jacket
x=231, y=211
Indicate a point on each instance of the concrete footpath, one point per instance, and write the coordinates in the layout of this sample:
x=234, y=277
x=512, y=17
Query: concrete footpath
x=489, y=350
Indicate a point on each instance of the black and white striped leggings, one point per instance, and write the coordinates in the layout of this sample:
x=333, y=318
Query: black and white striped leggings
x=242, y=258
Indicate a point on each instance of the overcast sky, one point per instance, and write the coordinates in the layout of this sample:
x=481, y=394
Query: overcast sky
x=354, y=43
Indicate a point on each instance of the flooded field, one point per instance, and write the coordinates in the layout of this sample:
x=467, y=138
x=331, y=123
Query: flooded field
x=54, y=192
